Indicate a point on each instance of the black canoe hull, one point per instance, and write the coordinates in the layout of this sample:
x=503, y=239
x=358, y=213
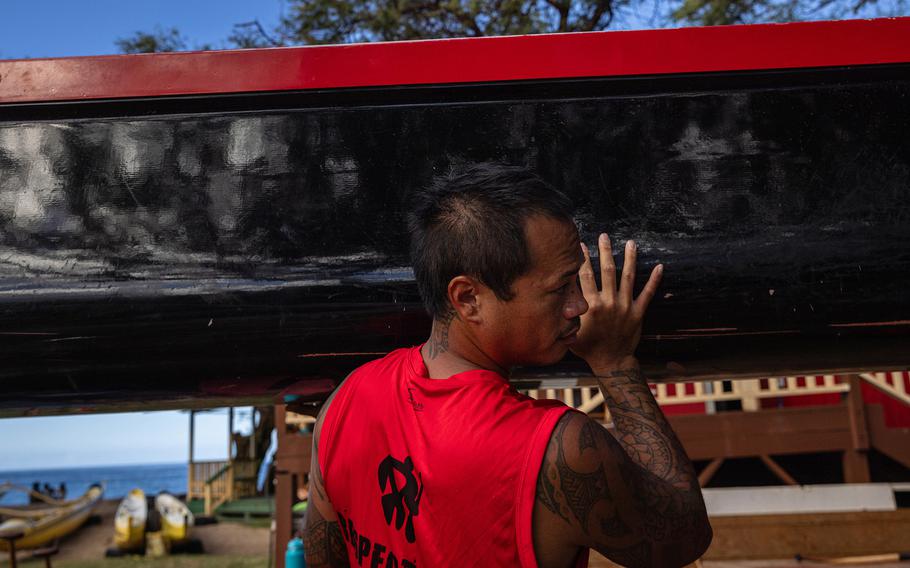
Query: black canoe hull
x=255, y=247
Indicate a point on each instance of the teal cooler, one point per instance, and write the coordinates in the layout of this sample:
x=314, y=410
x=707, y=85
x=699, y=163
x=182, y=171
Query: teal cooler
x=294, y=557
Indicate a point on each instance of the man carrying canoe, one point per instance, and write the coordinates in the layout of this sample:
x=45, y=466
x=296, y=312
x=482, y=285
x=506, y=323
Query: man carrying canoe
x=428, y=457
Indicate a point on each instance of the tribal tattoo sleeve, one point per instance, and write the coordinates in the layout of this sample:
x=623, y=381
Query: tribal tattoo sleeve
x=634, y=495
x=323, y=542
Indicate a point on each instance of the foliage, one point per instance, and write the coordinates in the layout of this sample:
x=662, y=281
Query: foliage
x=346, y=21
x=343, y=21
x=728, y=12
x=160, y=40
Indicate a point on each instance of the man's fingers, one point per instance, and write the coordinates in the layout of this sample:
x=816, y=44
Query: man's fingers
x=607, y=267
x=628, y=274
x=586, y=275
x=650, y=289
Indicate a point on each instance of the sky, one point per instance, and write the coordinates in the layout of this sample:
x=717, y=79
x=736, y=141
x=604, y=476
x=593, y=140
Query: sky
x=58, y=28
x=114, y=439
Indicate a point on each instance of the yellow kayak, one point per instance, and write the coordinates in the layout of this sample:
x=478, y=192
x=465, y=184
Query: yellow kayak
x=175, y=517
x=130, y=520
x=40, y=526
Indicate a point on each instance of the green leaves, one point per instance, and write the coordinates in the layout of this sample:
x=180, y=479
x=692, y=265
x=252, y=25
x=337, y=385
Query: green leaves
x=160, y=40
x=307, y=22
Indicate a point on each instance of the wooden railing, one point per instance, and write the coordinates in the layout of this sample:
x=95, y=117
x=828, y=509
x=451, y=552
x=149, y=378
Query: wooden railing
x=894, y=384
x=199, y=472
x=748, y=391
x=211, y=482
x=244, y=474
x=218, y=489
x=216, y=482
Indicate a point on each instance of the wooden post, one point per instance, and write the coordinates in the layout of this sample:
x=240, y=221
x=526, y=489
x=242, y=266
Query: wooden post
x=229, y=491
x=777, y=470
x=11, y=543
x=284, y=497
x=230, y=433
x=747, y=390
x=207, y=500
x=189, y=475
x=706, y=474
x=283, y=515
x=253, y=434
x=856, y=459
x=12, y=553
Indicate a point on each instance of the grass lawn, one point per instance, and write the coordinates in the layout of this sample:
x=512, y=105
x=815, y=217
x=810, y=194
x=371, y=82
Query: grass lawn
x=187, y=561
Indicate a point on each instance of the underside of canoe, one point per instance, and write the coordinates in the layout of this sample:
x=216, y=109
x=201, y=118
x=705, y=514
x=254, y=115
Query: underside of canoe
x=206, y=248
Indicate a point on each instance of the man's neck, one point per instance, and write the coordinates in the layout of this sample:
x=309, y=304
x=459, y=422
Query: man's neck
x=449, y=351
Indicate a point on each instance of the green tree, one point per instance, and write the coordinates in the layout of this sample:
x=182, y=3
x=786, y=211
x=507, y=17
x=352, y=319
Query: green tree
x=345, y=21
x=160, y=40
x=308, y=22
x=727, y=12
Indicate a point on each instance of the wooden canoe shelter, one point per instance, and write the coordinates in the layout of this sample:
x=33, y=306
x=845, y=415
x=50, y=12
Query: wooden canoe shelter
x=215, y=482
x=194, y=230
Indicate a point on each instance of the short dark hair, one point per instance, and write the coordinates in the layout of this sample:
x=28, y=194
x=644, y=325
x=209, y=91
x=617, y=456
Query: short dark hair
x=471, y=221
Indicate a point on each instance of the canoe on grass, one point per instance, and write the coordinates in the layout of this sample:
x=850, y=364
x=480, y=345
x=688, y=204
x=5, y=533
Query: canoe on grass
x=130, y=520
x=176, y=518
x=39, y=527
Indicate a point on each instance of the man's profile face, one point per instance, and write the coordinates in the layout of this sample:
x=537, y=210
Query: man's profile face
x=536, y=326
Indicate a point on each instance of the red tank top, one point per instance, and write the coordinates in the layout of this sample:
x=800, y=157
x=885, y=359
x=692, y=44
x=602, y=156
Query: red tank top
x=431, y=473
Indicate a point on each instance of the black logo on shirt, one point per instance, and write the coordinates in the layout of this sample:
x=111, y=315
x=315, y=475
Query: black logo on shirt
x=402, y=503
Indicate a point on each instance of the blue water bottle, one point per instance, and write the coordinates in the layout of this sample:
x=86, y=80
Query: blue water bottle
x=294, y=557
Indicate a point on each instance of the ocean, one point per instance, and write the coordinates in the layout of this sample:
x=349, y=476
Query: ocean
x=118, y=480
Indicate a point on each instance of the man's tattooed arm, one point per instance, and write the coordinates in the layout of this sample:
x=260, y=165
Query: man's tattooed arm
x=323, y=543
x=633, y=497
x=642, y=429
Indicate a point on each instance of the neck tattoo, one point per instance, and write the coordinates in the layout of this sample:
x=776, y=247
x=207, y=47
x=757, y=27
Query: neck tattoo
x=439, y=338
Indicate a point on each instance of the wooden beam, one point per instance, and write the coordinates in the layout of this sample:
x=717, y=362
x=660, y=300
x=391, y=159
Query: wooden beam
x=189, y=476
x=253, y=434
x=856, y=458
x=777, y=470
x=893, y=442
x=284, y=495
x=856, y=467
x=856, y=406
x=706, y=474
x=770, y=432
x=760, y=537
x=230, y=433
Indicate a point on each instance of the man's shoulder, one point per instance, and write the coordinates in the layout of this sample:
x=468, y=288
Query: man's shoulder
x=398, y=358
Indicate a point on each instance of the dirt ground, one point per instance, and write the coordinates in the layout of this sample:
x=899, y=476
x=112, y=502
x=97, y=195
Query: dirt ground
x=227, y=539
x=222, y=539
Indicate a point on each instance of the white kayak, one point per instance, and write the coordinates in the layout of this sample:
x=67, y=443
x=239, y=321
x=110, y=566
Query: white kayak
x=130, y=520
x=176, y=518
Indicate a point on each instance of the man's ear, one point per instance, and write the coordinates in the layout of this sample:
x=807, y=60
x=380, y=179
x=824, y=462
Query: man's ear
x=463, y=295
